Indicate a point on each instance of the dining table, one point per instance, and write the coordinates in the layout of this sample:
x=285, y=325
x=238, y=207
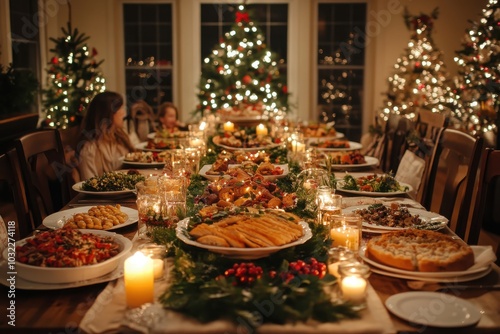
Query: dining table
x=95, y=308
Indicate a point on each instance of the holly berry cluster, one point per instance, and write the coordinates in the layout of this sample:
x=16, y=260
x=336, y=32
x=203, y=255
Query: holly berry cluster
x=245, y=274
x=310, y=266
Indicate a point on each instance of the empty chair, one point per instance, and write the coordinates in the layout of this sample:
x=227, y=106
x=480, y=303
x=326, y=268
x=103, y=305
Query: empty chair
x=429, y=123
x=45, y=173
x=11, y=175
x=486, y=212
x=449, y=181
x=396, y=142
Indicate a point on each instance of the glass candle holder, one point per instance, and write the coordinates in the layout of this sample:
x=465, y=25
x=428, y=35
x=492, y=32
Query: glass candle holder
x=354, y=283
x=337, y=256
x=157, y=254
x=345, y=230
x=328, y=204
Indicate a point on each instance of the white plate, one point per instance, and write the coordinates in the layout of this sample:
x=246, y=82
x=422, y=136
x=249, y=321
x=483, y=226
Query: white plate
x=433, y=309
x=152, y=135
x=49, y=275
x=456, y=279
x=374, y=193
x=142, y=164
x=370, y=162
x=353, y=146
x=203, y=172
x=240, y=253
x=259, y=148
x=78, y=188
x=426, y=216
x=23, y=284
x=421, y=274
x=57, y=219
x=338, y=135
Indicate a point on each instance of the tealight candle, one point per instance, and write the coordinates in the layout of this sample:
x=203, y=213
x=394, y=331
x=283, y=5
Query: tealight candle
x=261, y=130
x=353, y=282
x=336, y=256
x=344, y=230
x=156, y=253
x=139, y=280
x=229, y=126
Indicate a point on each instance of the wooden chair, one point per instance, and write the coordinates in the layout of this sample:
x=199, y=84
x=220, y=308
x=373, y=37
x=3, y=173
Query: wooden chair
x=429, y=123
x=10, y=173
x=396, y=145
x=143, y=118
x=449, y=182
x=486, y=212
x=45, y=173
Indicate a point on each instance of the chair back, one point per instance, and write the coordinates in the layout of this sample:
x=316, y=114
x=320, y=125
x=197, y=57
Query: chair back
x=143, y=118
x=486, y=212
x=396, y=144
x=10, y=174
x=429, y=123
x=449, y=181
x=45, y=172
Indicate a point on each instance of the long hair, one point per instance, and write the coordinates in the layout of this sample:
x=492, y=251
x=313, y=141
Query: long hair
x=98, y=121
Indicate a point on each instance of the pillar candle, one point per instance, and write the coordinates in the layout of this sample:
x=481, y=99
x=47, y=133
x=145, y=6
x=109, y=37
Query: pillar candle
x=139, y=280
x=261, y=130
x=346, y=236
x=229, y=126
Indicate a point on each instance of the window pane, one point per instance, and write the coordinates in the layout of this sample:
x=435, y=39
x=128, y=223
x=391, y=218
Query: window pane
x=341, y=59
x=148, y=43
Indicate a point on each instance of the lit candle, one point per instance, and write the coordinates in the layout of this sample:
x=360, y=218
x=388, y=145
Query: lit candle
x=261, y=130
x=346, y=236
x=196, y=142
x=229, y=126
x=336, y=256
x=139, y=280
x=158, y=268
x=298, y=147
x=353, y=288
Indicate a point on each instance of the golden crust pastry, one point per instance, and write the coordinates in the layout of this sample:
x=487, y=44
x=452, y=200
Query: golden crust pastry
x=420, y=250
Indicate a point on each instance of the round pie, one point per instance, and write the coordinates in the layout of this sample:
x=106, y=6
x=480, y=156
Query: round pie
x=420, y=250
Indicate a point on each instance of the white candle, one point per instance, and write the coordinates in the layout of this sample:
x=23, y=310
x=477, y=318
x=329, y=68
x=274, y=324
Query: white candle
x=158, y=268
x=229, y=126
x=353, y=288
x=346, y=236
x=298, y=147
x=261, y=130
x=196, y=142
x=139, y=280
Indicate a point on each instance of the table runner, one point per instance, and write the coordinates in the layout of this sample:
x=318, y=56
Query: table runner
x=108, y=314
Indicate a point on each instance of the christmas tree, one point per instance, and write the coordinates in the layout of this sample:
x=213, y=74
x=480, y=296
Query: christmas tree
x=242, y=73
x=479, y=74
x=73, y=79
x=420, y=79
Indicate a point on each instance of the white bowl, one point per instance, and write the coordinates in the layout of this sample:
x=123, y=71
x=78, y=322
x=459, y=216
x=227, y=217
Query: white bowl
x=73, y=274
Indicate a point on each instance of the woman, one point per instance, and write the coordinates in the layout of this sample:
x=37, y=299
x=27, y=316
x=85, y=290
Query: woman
x=168, y=118
x=103, y=141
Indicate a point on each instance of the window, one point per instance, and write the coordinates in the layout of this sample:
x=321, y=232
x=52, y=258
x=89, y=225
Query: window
x=272, y=19
x=25, y=37
x=148, y=40
x=341, y=54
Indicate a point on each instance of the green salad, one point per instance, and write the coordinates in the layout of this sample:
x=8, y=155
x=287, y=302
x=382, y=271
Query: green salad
x=384, y=183
x=112, y=181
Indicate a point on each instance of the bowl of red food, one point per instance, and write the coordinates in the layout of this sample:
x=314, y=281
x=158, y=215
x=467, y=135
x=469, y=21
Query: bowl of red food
x=67, y=255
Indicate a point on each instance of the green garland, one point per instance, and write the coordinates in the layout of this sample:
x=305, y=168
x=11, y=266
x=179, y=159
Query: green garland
x=202, y=287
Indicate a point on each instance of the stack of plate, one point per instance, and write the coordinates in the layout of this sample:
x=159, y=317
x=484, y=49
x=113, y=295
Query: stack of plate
x=474, y=272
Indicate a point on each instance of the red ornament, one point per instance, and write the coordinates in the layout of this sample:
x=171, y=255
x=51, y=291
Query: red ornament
x=246, y=79
x=94, y=52
x=242, y=17
x=220, y=69
x=72, y=119
x=54, y=60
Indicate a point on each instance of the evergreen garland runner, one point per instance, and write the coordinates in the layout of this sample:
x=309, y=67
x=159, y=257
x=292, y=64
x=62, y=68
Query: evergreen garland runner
x=288, y=286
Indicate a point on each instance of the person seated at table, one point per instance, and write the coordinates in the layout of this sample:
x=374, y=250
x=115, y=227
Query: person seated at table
x=168, y=118
x=103, y=140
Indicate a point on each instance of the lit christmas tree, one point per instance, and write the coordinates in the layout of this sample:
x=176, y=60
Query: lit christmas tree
x=73, y=80
x=420, y=79
x=479, y=75
x=241, y=75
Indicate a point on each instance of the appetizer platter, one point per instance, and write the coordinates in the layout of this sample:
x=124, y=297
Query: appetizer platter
x=110, y=184
x=334, y=145
x=267, y=170
x=145, y=159
x=244, y=142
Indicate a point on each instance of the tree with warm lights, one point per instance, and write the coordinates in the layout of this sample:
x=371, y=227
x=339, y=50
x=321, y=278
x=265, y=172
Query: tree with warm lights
x=73, y=80
x=420, y=79
x=242, y=74
x=479, y=79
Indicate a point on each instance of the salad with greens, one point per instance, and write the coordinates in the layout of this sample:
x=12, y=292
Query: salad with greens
x=384, y=183
x=112, y=181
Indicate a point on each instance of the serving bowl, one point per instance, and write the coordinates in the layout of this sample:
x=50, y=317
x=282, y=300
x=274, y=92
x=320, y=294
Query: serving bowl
x=72, y=274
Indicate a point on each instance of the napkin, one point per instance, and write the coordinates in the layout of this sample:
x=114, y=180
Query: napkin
x=109, y=314
x=483, y=256
x=410, y=171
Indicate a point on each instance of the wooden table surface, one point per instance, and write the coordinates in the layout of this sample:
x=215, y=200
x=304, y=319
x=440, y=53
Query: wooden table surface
x=60, y=311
